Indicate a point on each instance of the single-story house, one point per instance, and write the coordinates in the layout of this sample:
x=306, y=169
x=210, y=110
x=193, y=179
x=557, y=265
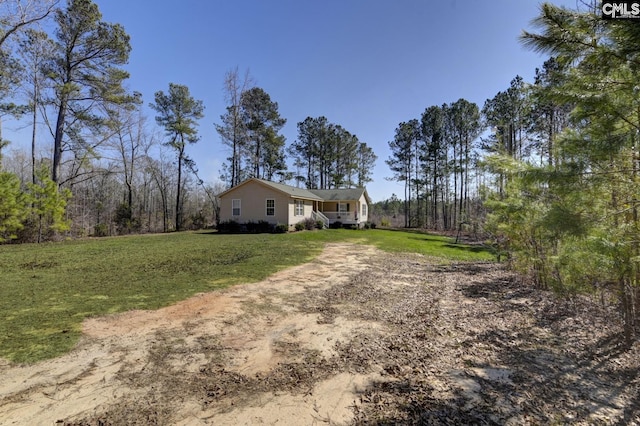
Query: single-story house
x=256, y=200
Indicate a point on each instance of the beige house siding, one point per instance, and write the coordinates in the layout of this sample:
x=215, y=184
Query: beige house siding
x=363, y=201
x=253, y=206
x=254, y=193
x=308, y=208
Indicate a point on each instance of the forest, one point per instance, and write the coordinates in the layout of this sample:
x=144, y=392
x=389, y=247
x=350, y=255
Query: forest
x=546, y=172
x=109, y=171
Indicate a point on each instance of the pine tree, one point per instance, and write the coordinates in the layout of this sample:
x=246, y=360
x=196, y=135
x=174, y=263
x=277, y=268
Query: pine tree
x=593, y=185
x=84, y=71
x=13, y=206
x=232, y=129
x=434, y=159
x=178, y=113
x=264, y=148
x=332, y=156
x=401, y=161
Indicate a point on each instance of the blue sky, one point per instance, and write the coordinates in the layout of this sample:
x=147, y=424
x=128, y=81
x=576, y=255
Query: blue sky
x=364, y=64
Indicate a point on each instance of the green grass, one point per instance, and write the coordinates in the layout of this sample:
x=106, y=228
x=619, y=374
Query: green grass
x=47, y=290
x=404, y=241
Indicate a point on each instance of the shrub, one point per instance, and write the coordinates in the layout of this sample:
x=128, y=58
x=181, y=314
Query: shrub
x=229, y=227
x=299, y=226
x=13, y=206
x=280, y=228
x=251, y=227
x=309, y=224
x=198, y=220
x=320, y=224
x=100, y=230
x=385, y=221
x=264, y=226
x=29, y=232
x=336, y=225
x=259, y=227
x=124, y=220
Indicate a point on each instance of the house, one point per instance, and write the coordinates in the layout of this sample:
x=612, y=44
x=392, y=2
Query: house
x=256, y=200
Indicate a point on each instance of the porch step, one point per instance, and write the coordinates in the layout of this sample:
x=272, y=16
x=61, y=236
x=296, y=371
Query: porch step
x=319, y=216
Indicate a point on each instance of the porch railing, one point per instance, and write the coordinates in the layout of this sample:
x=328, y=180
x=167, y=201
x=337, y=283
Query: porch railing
x=319, y=216
x=344, y=217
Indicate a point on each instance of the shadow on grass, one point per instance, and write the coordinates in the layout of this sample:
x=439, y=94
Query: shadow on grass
x=446, y=242
x=220, y=234
x=422, y=232
x=208, y=232
x=471, y=249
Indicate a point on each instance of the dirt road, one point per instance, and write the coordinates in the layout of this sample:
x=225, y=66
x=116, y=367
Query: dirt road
x=356, y=336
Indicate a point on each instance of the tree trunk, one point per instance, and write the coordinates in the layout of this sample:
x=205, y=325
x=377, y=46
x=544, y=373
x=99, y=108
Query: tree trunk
x=179, y=189
x=635, y=278
x=466, y=177
x=57, y=142
x=434, y=197
x=256, y=170
x=627, y=310
x=462, y=182
x=454, y=217
x=551, y=134
x=33, y=135
x=406, y=208
x=234, y=154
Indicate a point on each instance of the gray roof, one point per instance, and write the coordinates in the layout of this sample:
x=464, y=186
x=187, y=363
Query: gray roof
x=312, y=194
x=291, y=190
x=341, y=194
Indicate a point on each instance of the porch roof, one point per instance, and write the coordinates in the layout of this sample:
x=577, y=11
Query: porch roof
x=342, y=194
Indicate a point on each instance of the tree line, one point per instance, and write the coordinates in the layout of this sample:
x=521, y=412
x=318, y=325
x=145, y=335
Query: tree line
x=557, y=169
x=325, y=155
x=434, y=156
x=570, y=219
x=447, y=158
x=106, y=169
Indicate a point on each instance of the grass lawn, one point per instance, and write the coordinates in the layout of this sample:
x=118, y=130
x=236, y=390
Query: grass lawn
x=47, y=290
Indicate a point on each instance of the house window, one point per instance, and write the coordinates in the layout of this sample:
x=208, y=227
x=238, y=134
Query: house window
x=343, y=207
x=235, y=207
x=364, y=210
x=299, y=208
x=271, y=207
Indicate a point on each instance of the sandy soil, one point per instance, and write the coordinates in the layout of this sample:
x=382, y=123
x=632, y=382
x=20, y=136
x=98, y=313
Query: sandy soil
x=356, y=336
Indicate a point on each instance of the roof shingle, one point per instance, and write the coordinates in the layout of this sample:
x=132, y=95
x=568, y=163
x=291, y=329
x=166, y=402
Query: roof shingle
x=312, y=194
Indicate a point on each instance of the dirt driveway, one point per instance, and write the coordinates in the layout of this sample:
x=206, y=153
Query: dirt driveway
x=356, y=336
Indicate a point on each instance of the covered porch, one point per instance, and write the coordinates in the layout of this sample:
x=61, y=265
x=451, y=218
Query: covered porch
x=345, y=212
x=344, y=217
